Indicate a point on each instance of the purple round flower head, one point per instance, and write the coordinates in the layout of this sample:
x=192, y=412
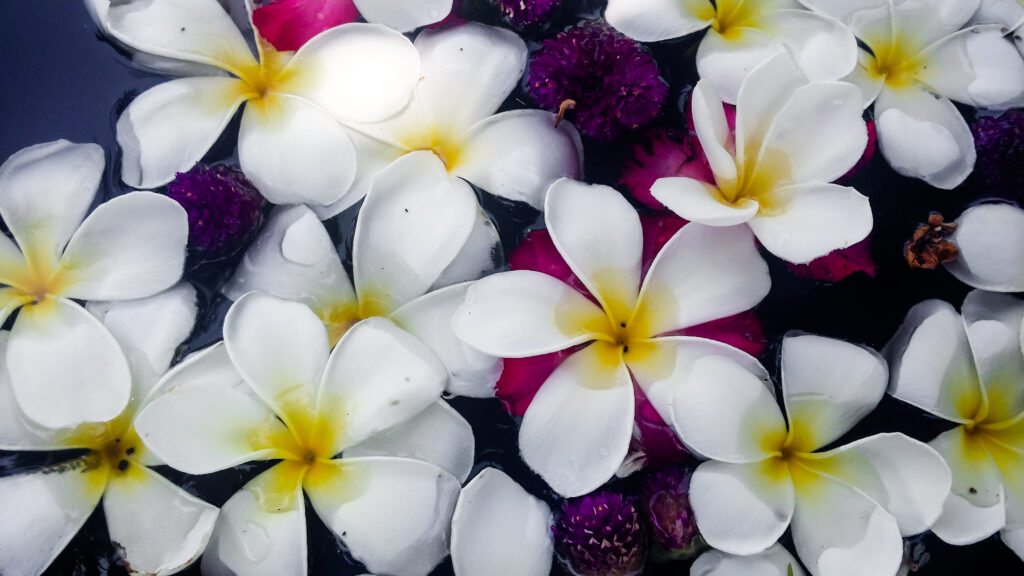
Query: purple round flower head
x=522, y=14
x=224, y=208
x=665, y=501
x=610, y=82
x=999, y=141
x=601, y=534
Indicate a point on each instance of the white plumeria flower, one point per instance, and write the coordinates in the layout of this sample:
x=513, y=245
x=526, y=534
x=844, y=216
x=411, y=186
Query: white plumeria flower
x=970, y=370
x=407, y=262
x=990, y=238
x=274, y=390
x=919, y=60
x=775, y=561
x=792, y=139
x=64, y=365
x=288, y=144
x=577, y=430
x=849, y=507
x=468, y=72
x=156, y=527
x=742, y=34
x=500, y=529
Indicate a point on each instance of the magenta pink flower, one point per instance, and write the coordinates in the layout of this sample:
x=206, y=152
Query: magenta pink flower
x=288, y=24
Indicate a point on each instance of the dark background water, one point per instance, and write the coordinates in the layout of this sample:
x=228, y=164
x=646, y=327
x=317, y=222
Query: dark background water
x=60, y=79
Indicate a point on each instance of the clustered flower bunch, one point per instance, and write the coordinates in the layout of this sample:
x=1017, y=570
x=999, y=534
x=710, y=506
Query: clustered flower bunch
x=369, y=287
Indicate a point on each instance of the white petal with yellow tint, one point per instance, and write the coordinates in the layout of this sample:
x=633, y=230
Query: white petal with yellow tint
x=45, y=192
x=523, y=313
x=828, y=387
x=156, y=527
x=742, y=508
x=701, y=274
x=870, y=20
x=924, y=136
x=16, y=432
x=991, y=242
x=438, y=435
x=518, y=154
x=256, y=539
x=598, y=233
x=823, y=47
x=65, y=367
x=723, y=411
x=712, y=128
x=577, y=430
x=378, y=376
x=403, y=15
x=979, y=66
x=204, y=418
x=40, y=512
x=932, y=364
x=413, y=223
x=862, y=77
x=724, y=61
x=468, y=72
x=13, y=269
x=12, y=299
x=280, y=347
x=975, y=508
x=484, y=541
x=993, y=323
x=294, y=153
x=811, y=220
x=1010, y=460
x=356, y=72
x=775, y=561
x=171, y=126
x=702, y=203
x=656, y=20
x=838, y=531
x=920, y=24
x=767, y=89
x=393, y=514
x=429, y=317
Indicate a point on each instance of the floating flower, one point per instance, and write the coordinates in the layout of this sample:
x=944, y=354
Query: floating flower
x=407, y=259
x=849, y=506
x=577, y=429
x=288, y=144
x=990, y=242
x=919, y=58
x=523, y=14
x=775, y=561
x=601, y=534
x=613, y=83
x=289, y=24
x=969, y=370
x=999, y=141
x=499, y=528
x=665, y=502
x=155, y=526
x=741, y=36
x=65, y=366
x=224, y=209
x=274, y=390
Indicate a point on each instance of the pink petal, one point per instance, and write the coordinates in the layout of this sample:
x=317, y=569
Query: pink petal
x=658, y=230
x=288, y=24
x=743, y=331
x=839, y=264
x=537, y=252
x=521, y=378
x=662, y=153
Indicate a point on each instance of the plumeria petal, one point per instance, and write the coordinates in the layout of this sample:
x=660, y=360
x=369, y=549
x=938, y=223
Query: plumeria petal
x=1009, y=13
x=90, y=382
x=378, y=376
x=171, y=126
x=518, y=154
x=828, y=386
x=523, y=313
x=963, y=523
x=766, y=91
x=17, y=432
x=932, y=364
x=991, y=242
x=725, y=60
x=482, y=253
x=204, y=418
x=702, y=203
x=993, y=323
x=40, y=512
x=775, y=561
x=924, y=136
x=483, y=539
x=974, y=509
x=110, y=259
x=156, y=527
x=702, y=274
x=598, y=233
x=925, y=24
x=862, y=77
x=742, y=508
x=712, y=128
x=295, y=153
x=576, y=432
x=372, y=156
x=393, y=514
x=413, y=223
x=403, y=15
x=656, y=20
x=1011, y=463
x=470, y=372
x=823, y=47
x=977, y=66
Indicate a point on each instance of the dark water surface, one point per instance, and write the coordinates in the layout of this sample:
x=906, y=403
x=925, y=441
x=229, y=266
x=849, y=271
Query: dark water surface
x=59, y=79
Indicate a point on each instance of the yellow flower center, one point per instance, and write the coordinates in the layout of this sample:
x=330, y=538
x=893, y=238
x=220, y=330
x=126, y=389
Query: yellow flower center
x=446, y=146
x=895, y=64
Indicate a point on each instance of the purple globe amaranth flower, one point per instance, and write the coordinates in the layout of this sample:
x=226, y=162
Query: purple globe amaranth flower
x=224, y=208
x=999, y=141
x=607, y=83
x=522, y=14
x=601, y=534
x=665, y=502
